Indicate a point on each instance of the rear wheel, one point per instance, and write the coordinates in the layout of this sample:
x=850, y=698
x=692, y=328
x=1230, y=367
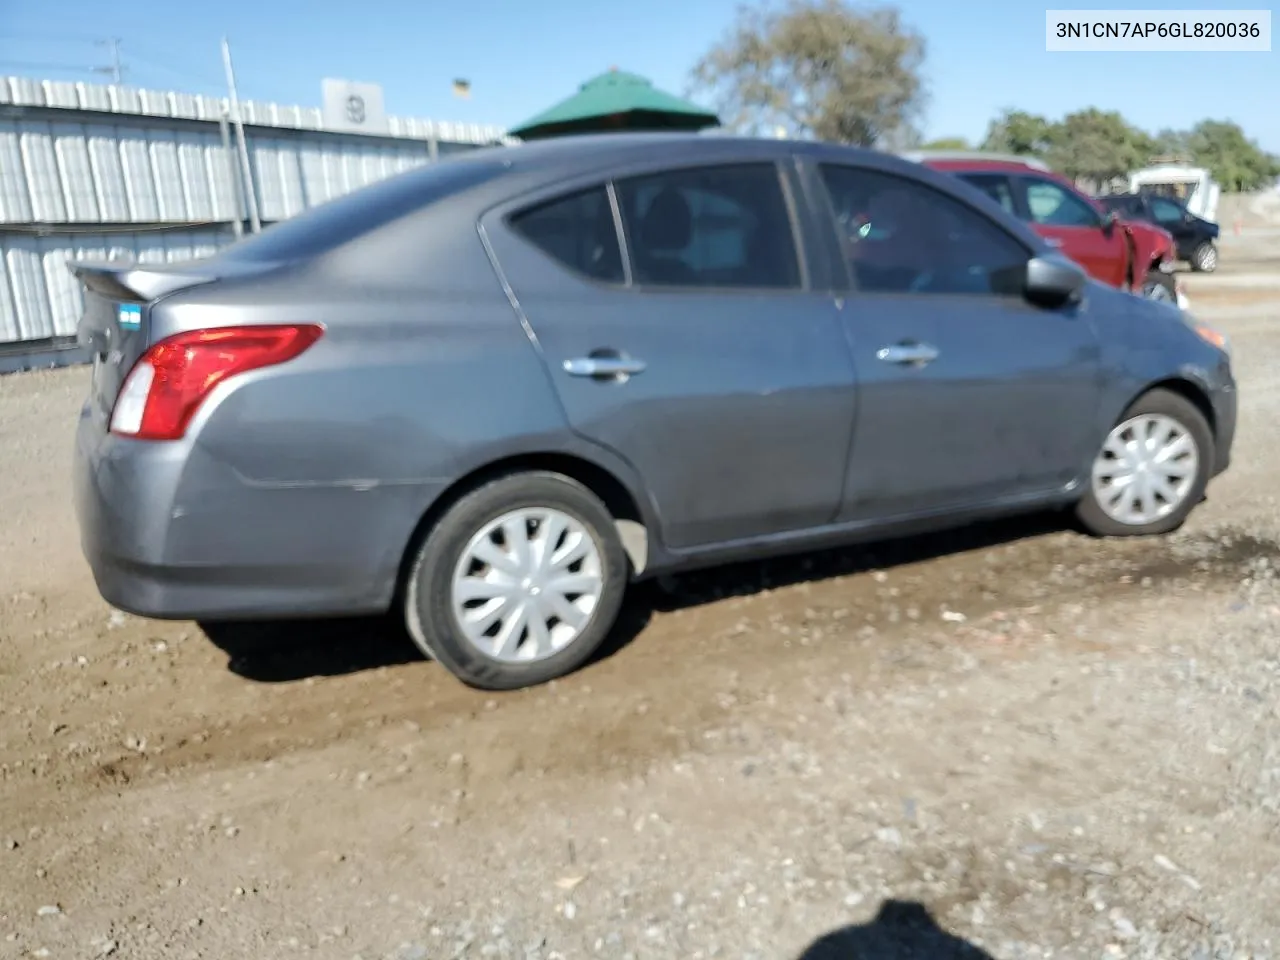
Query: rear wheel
x=520, y=582
x=1204, y=258
x=1152, y=469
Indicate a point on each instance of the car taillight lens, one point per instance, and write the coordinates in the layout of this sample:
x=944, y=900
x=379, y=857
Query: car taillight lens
x=169, y=382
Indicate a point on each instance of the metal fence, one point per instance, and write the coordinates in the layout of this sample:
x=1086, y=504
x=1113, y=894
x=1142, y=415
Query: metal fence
x=93, y=171
x=41, y=300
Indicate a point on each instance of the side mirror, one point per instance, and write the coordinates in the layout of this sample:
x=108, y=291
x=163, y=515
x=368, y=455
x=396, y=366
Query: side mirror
x=1109, y=221
x=1053, y=281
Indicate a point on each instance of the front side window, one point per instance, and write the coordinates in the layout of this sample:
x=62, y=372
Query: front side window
x=903, y=236
x=1053, y=205
x=578, y=232
x=724, y=227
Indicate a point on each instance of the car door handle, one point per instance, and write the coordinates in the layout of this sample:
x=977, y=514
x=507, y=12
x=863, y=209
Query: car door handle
x=607, y=367
x=1053, y=241
x=908, y=354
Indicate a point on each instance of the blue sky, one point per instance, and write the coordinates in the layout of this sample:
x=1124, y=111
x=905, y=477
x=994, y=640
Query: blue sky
x=522, y=56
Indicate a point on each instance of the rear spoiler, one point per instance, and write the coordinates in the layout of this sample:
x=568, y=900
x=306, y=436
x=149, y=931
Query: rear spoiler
x=135, y=282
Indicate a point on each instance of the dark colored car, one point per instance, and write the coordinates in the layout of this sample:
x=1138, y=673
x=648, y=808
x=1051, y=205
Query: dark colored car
x=489, y=392
x=1132, y=256
x=1196, y=239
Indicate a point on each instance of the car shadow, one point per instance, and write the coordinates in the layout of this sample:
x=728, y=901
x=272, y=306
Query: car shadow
x=289, y=650
x=282, y=651
x=902, y=930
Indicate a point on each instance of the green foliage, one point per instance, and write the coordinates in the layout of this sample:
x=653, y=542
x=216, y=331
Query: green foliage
x=820, y=68
x=1016, y=131
x=947, y=143
x=1173, y=144
x=1099, y=145
x=847, y=73
x=1089, y=143
x=1237, y=163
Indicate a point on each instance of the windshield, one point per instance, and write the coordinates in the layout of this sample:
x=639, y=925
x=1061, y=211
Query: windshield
x=331, y=224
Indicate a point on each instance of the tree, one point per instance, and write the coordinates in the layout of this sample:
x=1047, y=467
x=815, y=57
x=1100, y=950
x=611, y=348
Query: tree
x=1236, y=162
x=1016, y=131
x=948, y=143
x=1097, y=144
x=1173, y=144
x=818, y=68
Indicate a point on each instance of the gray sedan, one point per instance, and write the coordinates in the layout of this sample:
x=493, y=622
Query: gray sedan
x=492, y=391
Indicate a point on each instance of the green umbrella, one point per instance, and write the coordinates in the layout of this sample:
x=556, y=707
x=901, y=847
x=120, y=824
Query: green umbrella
x=616, y=101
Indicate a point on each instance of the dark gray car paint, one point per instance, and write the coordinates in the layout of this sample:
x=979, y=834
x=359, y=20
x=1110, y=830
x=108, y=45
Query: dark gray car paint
x=922, y=432
x=751, y=392
x=759, y=426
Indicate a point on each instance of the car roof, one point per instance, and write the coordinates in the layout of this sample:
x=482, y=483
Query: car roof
x=592, y=150
x=510, y=175
x=565, y=157
x=953, y=163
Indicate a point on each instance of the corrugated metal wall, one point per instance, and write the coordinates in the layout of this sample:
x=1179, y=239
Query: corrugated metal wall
x=99, y=172
x=41, y=299
x=92, y=171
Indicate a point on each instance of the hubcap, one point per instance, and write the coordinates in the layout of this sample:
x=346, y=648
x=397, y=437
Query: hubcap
x=1208, y=259
x=1146, y=469
x=527, y=585
x=1158, y=291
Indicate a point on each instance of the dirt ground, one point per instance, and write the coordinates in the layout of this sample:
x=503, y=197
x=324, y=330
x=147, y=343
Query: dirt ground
x=1052, y=746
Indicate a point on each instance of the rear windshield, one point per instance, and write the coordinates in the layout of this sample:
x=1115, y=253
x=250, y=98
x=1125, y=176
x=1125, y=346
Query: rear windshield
x=328, y=225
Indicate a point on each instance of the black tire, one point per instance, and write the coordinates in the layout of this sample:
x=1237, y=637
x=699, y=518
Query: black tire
x=429, y=614
x=1090, y=513
x=1160, y=286
x=1204, y=258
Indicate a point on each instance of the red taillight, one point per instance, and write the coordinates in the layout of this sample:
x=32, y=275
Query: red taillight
x=169, y=382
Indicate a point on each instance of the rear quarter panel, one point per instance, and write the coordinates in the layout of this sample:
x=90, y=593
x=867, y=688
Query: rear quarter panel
x=332, y=459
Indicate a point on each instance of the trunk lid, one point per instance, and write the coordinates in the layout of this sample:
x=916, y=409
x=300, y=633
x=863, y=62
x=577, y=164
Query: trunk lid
x=116, y=323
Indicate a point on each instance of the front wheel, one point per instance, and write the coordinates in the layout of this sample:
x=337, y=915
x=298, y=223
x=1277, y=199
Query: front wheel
x=518, y=583
x=1160, y=286
x=1152, y=470
x=1204, y=258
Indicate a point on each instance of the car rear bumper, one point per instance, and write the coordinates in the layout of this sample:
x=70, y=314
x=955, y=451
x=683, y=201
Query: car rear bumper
x=172, y=541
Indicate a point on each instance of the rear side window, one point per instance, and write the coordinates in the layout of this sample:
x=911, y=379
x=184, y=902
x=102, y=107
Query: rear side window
x=994, y=186
x=331, y=224
x=578, y=232
x=1127, y=206
x=723, y=227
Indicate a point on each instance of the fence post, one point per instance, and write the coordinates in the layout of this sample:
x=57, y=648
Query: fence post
x=233, y=170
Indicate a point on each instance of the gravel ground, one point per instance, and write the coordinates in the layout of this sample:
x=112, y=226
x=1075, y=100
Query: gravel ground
x=1010, y=741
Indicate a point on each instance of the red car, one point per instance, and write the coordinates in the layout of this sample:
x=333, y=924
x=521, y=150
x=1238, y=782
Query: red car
x=1127, y=254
